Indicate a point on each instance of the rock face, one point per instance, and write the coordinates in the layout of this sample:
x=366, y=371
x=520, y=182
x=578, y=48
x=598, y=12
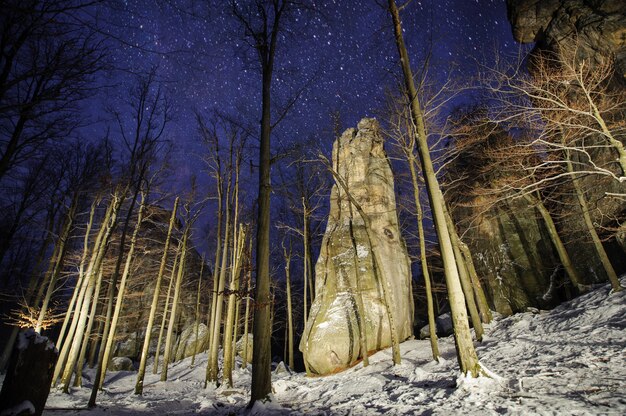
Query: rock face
x=347, y=271
x=29, y=375
x=596, y=27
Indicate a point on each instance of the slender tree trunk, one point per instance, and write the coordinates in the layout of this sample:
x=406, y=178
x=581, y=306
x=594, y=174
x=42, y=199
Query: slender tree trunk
x=246, y=320
x=216, y=274
x=175, y=301
x=141, y=372
x=566, y=261
x=80, y=280
x=65, y=233
x=597, y=243
x=358, y=298
x=82, y=297
x=91, y=275
x=479, y=293
x=432, y=326
x=212, y=364
x=78, y=377
x=287, y=256
x=468, y=360
x=227, y=372
x=197, y=315
x=166, y=307
x=108, y=349
x=93, y=348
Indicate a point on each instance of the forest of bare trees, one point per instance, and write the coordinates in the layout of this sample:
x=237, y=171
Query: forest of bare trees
x=515, y=200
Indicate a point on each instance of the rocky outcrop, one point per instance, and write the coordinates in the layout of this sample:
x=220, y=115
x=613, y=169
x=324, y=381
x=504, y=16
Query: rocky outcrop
x=29, y=375
x=355, y=261
x=595, y=28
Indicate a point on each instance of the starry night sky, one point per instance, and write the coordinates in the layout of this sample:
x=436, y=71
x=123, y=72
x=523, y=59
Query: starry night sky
x=343, y=54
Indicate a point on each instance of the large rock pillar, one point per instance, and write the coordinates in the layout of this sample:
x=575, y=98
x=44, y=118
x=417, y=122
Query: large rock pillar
x=346, y=272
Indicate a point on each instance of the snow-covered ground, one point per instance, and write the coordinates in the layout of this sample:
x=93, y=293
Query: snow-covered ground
x=571, y=360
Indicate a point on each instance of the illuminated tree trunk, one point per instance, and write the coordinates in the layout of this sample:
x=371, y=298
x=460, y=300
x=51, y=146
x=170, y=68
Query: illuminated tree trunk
x=466, y=284
x=74, y=343
x=78, y=377
x=65, y=233
x=108, y=349
x=479, y=293
x=287, y=256
x=80, y=280
x=84, y=292
x=468, y=360
x=566, y=261
x=216, y=268
x=432, y=326
x=212, y=363
x=246, y=320
x=155, y=368
x=197, y=315
x=175, y=302
x=597, y=243
x=141, y=372
x=232, y=301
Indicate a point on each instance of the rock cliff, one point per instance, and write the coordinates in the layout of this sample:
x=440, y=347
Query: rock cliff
x=595, y=28
x=356, y=260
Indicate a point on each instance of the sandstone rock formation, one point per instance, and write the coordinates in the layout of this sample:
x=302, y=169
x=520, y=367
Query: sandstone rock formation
x=347, y=272
x=596, y=27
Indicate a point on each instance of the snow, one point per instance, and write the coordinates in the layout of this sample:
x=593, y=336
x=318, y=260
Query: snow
x=24, y=338
x=570, y=360
x=24, y=408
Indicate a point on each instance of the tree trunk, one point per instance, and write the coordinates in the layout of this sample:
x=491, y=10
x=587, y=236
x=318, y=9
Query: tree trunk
x=468, y=360
x=74, y=336
x=166, y=307
x=597, y=244
x=78, y=377
x=246, y=320
x=566, y=261
x=197, y=315
x=479, y=293
x=108, y=350
x=175, y=301
x=432, y=326
x=212, y=364
x=230, y=315
x=216, y=270
x=65, y=233
x=287, y=256
x=154, y=305
x=80, y=280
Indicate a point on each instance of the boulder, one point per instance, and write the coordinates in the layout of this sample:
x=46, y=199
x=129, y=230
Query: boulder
x=29, y=375
x=355, y=260
x=121, y=364
x=443, y=325
x=190, y=344
x=247, y=355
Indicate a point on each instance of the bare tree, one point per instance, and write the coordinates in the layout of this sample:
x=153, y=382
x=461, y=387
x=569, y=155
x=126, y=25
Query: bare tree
x=466, y=353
